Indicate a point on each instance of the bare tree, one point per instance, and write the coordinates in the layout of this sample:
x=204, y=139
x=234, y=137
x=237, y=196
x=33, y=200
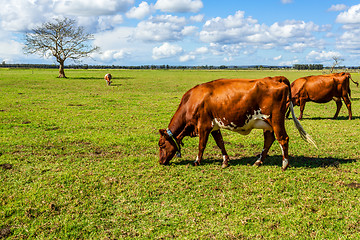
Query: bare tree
x=62, y=39
x=337, y=61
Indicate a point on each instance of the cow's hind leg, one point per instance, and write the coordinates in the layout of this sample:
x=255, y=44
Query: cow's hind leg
x=203, y=138
x=302, y=107
x=348, y=104
x=288, y=110
x=338, y=106
x=220, y=143
x=269, y=138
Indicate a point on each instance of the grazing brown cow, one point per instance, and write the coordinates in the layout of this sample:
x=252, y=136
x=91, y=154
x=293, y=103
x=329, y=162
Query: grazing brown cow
x=322, y=89
x=108, y=78
x=238, y=105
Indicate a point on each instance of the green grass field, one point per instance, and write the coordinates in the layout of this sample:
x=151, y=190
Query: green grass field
x=83, y=161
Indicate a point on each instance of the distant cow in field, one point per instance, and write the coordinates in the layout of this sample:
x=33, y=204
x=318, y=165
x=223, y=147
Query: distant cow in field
x=322, y=89
x=108, y=78
x=238, y=105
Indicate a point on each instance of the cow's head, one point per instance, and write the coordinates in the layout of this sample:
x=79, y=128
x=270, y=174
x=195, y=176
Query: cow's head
x=167, y=147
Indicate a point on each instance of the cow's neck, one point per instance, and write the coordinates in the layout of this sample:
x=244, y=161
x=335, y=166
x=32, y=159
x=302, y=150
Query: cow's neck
x=177, y=125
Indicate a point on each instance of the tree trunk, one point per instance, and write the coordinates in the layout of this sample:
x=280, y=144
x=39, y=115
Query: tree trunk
x=332, y=68
x=61, y=70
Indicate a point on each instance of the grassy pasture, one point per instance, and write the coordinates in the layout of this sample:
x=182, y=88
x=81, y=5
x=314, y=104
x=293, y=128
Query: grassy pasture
x=84, y=165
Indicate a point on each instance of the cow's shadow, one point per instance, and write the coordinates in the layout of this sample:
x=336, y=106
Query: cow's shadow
x=339, y=118
x=100, y=78
x=275, y=160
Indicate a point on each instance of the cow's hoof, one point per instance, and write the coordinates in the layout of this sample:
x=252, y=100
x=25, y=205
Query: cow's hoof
x=224, y=165
x=196, y=164
x=283, y=168
x=258, y=163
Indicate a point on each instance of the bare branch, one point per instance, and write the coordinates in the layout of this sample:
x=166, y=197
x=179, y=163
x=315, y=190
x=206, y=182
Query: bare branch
x=337, y=61
x=62, y=38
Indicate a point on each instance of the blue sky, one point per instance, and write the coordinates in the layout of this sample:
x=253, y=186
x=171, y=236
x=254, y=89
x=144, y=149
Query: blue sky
x=195, y=32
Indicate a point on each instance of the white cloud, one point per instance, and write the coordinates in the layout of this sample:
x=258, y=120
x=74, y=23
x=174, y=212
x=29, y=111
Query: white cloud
x=188, y=30
x=286, y=1
x=166, y=50
x=91, y=7
x=322, y=56
x=109, y=22
x=179, y=5
x=246, y=31
x=292, y=28
x=296, y=47
x=277, y=58
x=197, y=18
x=351, y=16
x=115, y=44
x=289, y=63
x=349, y=40
x=110, y=55
x=163, y=28
x=9, y=48
x=113, y=39
x=233, y=29
x=187, y=57
x=201, y=50
x=22, y=15
x=193, y=54
x=140, y=12
x=337, y=7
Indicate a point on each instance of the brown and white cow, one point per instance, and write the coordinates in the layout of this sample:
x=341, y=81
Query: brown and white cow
x=322, y=89
x=238, y=105
x=108, y=78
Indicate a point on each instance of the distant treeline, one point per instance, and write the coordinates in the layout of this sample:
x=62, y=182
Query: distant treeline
x=85, y=66
x=308, y=66
x=259, y=67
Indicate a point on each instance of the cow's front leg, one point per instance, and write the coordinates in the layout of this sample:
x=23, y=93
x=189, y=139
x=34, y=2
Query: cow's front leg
x=269, y=138
x=203, y=138
x=220, y=143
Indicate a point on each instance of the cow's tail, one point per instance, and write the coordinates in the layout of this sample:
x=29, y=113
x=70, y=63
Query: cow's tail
x=304, y=135
x=357, y=84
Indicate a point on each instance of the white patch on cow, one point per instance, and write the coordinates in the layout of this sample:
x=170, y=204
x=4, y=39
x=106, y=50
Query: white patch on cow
x=282, y=150
x=197, y=159
x=224, y=158
x=254, y=121
x=261, y=154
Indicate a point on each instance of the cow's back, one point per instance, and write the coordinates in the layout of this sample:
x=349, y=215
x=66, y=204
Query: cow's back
x=318, y=89
x=236, y=98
